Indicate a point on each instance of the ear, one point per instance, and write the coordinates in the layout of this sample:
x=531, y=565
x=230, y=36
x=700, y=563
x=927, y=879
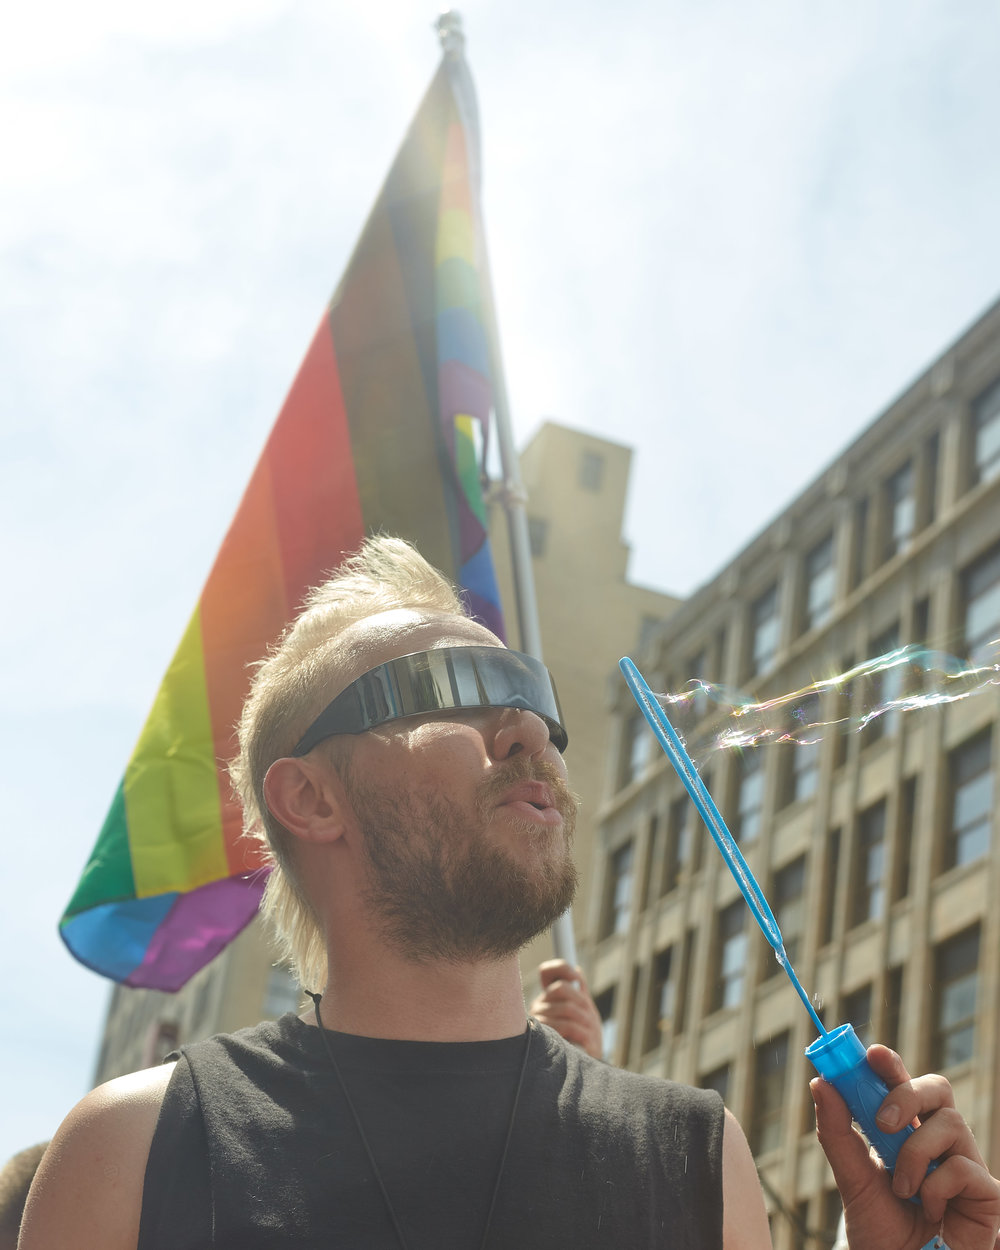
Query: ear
x=307, y=798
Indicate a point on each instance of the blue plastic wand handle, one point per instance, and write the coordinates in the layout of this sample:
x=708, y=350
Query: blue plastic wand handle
x=840, y=1058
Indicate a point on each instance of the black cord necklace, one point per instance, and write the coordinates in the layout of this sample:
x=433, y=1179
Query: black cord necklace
x=317, y=999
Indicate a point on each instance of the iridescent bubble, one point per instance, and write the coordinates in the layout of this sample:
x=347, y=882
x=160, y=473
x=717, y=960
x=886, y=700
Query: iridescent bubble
x=899, y=682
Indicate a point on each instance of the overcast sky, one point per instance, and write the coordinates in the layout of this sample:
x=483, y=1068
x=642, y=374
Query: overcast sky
x=725, y=233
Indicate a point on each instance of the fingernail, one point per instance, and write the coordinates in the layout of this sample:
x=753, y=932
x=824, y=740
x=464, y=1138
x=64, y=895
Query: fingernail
x=901, y=1184
x=888, y=1117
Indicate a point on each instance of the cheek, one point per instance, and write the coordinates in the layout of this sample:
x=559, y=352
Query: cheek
x=455, y=752
x=425, y=754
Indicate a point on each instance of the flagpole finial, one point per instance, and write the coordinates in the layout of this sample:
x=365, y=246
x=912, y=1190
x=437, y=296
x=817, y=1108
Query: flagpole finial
x=450, y=33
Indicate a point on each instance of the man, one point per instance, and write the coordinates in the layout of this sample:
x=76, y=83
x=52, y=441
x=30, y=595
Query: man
x=406, y=771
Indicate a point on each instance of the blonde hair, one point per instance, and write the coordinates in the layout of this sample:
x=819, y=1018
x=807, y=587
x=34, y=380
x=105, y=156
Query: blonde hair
x=289, y=689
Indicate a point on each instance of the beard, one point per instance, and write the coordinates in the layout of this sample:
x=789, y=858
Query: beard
x=440, y=890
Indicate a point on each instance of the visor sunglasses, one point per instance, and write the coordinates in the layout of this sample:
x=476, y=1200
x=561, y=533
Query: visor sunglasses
x=442, y=680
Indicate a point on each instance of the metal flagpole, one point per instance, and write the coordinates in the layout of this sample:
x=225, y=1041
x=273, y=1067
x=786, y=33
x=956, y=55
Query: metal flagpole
x=513, y=495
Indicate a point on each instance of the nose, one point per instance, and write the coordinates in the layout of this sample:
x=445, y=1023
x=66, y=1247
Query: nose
x=519, y=731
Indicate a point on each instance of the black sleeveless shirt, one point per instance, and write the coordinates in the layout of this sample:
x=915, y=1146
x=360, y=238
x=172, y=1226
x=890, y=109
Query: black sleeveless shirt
x=255, y=1147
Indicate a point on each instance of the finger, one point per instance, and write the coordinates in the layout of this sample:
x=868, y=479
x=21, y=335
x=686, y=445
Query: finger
x=944, y=1137
x=913, y=1099
x=909, y=1097
x=559, y=970
x=853, y=1167
x=554, y=1010
x=557, y=1007
x=962, y=1184
x=887, y=1064
x=566, y=990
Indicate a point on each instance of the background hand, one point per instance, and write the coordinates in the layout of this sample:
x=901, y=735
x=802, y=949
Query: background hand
x=565, y=1004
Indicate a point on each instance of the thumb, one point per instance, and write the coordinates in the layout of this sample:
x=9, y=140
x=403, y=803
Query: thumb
x=850, y=1159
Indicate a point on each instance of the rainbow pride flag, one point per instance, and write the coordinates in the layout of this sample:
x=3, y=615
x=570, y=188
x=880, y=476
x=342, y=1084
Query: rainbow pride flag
x=381, y=430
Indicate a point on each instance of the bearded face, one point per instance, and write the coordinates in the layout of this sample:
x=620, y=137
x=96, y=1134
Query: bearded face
x=443, y=886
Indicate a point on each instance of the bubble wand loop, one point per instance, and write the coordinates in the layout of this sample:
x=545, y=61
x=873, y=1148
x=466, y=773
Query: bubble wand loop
x=837, y=1054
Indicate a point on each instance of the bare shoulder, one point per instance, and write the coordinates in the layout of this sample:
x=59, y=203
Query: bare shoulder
x=744, y=1217
x=88, y=1190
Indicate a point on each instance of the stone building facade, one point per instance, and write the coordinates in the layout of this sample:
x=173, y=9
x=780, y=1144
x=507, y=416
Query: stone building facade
x=877, y=846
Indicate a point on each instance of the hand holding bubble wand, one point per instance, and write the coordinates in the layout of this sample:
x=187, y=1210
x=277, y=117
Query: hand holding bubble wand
x=838, y=1054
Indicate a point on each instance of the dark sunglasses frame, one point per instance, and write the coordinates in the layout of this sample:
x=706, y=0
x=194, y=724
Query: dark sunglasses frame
x=441, y=680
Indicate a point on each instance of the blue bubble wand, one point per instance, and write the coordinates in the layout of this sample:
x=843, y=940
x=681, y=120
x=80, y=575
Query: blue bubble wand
x=838, y=1054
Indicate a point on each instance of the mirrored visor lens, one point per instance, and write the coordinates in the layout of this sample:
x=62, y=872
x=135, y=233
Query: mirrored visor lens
x=445, y=679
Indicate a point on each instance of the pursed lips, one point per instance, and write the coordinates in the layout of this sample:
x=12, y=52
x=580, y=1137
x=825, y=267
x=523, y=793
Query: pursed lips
x=532, y=800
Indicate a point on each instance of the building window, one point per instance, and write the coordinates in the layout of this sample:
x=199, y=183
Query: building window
x=680, y=835
x=847, y=696
x=893, y=1007
x=828, y=899
x=717, y=1079
x=986, y=434
x=956, y=964
x=591, y=470
x=699, y=829
x=749, y=796
x=921, y=620
x=681, y=999
x=769, y=1095
x=605, y=1004
x=901, y=510
x=697, y=669
x=856, y=1010
x=538, y=535
x=905, y=839
x=637, y=749
x=930, y=474
x=802, y=775
x=649, y=627
x=627, y=1015
x=732, y=957
x=916, y=676
x=859, y=544
x=662, y=999
x=820, y=583
x=654, y=858
x=618, y=887
x=883, y=687
x=719, y=652
x=981, y=600
x=789, y=905
x=971, y=793
x=869, y=891
x=803, y=771
x=764, y=631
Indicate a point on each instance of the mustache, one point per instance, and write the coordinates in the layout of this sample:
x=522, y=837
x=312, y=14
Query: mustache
x=524, y=768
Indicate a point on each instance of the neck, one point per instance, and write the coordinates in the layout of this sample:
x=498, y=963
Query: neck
x=449, y=1002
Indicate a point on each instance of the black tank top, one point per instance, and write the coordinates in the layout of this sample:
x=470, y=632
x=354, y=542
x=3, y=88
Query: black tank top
x=256, y=1148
